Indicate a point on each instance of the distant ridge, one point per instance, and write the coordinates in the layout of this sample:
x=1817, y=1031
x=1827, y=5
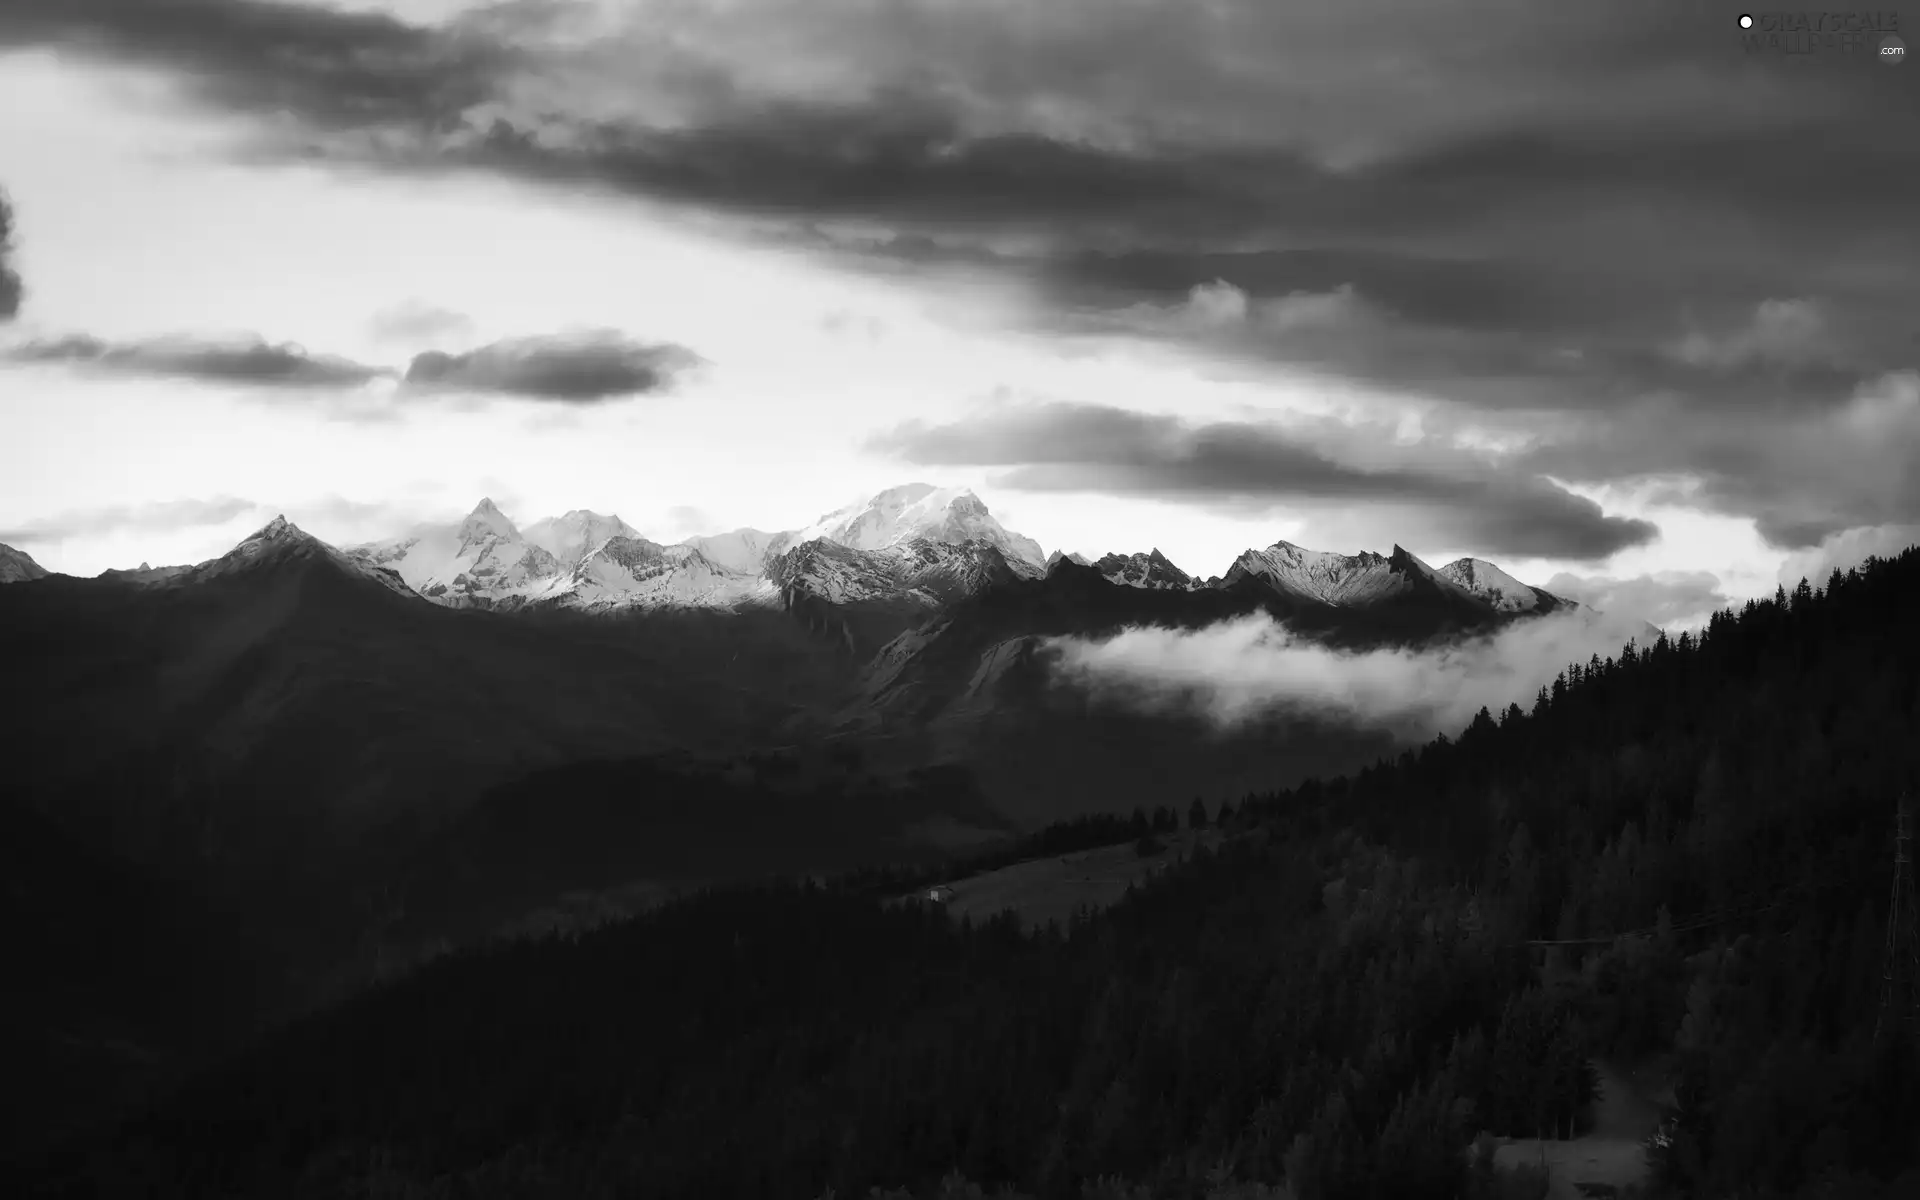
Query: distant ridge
x=911, y=548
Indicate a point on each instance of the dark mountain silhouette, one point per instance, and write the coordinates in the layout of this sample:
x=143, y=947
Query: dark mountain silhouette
x=303, y=700
x=1677, y=858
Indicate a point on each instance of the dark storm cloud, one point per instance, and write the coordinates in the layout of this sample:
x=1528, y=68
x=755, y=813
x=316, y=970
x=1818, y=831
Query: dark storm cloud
x=10, y=286
x=333, y=69
x=1180, y=127
x=576, y=369
x=1086, y=448
x=1802, y=477
x=1565, y=221
x=162, y=516
x=240, y=361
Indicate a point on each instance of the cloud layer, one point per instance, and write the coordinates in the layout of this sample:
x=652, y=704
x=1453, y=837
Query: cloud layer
x=192, y=513
x=234, y=361
x=1241, y=671
x=1668, y=599
x=417, y=321
x=1845, y=550
x=159, y=517
x=1450, y=495
x=577, y=369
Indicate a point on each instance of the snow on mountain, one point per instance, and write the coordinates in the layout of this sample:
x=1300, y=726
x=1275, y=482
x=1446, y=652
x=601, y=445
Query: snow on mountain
x=17, y=566
x=947, y=570
x=144, y=573
x=916, y=545
x=910, y=539
x=742, y=550
x=1150, y=570
x=918, y=511
x=483, y=559
x=280, y=540
x=1344, y=581
x=908, y=550
x=487, y=521
x=1501, y=590
x=922, y=571
x=571, y=538
x=635, y=572
x=835, y=573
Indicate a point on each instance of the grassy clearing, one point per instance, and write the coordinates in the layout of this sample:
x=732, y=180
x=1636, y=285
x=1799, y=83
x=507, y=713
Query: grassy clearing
x=1053, y=889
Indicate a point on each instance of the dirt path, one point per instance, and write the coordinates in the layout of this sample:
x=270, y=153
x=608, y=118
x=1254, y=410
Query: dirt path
x=1627, y=1111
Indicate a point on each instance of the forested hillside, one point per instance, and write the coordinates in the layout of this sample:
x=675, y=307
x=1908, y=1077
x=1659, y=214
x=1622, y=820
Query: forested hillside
x=1337, y=1001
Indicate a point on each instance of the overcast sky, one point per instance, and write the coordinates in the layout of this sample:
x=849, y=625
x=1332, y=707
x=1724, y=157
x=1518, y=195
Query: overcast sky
x=1587, y=290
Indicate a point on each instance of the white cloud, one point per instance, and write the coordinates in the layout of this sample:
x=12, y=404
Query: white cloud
x=1217, y=303
x=1313, y=310
x=414, y=322
x=1782, y=332
x=1673, y=600
x=1845, y=550
x=1239, y=671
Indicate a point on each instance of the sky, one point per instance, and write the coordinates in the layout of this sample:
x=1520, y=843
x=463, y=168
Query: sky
x=1593, y=292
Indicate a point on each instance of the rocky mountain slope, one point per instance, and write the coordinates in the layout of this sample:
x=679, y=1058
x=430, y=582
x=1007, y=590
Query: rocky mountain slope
x=910, y=545
x=17, y=566
x=907, y=550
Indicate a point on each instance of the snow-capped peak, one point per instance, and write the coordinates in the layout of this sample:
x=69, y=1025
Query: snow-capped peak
x=574, y=536
x=486, y=520
x=920, y=510
x=278, y=531
x=1060, y=556
x=742, y=550
x=278, y=541
x=1337, y=579
x=1403, y=560
x=1150, y=570
x=1494, y=586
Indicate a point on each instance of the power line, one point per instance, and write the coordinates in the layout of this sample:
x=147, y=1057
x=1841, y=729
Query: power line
x=1900, y=990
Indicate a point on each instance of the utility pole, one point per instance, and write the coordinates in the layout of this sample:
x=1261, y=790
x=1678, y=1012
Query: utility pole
x=1900, y=991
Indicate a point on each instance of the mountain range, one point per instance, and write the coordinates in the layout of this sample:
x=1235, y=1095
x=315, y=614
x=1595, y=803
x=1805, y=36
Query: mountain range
x=915, y=545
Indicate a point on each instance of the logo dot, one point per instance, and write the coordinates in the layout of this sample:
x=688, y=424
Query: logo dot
x=1746, y=22
x=1893, y=51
